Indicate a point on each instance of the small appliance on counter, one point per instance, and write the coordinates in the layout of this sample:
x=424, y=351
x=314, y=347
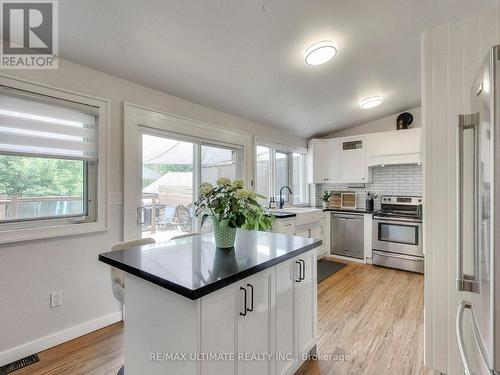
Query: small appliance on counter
x=349, y=201
x=397, y=233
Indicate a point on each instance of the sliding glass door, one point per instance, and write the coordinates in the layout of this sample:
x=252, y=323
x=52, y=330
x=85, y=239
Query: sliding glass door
x=171, y=171
x=167, y=187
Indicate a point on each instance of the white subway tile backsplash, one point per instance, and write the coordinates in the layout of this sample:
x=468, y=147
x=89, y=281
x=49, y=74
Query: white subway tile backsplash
x=388, y=180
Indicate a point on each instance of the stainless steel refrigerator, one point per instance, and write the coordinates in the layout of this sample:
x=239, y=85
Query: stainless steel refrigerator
x=478, y=265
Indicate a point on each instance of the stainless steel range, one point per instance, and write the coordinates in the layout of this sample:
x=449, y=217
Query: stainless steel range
x=397, y=233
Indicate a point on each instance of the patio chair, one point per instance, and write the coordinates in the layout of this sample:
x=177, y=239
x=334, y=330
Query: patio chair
x=165, y=218
x=118, y=276
x=184, y=219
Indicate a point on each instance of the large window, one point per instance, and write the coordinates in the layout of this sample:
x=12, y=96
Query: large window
x=276, y=168
x=48, y=161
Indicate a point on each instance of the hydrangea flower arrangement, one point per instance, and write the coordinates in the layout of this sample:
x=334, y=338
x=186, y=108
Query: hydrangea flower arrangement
x=229, y=205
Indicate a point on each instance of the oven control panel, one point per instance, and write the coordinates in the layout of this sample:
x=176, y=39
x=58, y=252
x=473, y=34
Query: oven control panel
x=414, y=201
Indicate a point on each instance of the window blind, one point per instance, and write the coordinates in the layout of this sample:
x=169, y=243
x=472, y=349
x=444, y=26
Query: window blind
x=33, y=128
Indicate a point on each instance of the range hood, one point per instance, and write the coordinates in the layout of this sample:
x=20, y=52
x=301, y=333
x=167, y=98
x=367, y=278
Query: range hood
x=394, y=148
x=394, y=159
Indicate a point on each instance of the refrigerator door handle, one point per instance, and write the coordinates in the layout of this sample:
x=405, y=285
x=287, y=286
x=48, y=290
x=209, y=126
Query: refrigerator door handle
x=477, y=336
x=460, y=335
x=468, y=283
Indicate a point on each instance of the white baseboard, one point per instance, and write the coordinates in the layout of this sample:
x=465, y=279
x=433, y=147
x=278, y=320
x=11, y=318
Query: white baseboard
x=57, y=338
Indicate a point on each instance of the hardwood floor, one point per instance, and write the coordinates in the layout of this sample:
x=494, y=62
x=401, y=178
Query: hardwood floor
x=374, y=315
x=98, y=353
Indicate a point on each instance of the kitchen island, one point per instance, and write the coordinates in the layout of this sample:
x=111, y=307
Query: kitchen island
x=194, y=309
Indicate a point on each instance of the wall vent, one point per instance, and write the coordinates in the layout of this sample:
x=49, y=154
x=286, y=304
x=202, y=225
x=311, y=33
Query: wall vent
x=352, y=145
x=19, y=364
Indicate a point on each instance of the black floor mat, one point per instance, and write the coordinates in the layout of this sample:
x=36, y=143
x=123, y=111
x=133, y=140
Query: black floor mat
x=327, y=268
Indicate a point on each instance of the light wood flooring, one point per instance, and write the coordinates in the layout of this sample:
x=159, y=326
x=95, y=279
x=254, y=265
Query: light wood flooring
x=373, y=315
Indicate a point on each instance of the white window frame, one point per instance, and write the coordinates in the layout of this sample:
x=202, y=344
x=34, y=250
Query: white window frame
x=137, y=118
x=33, y=229
x=289, y=150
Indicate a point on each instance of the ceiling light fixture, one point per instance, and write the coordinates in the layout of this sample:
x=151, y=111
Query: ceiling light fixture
x=371, y=102
x=320, y=53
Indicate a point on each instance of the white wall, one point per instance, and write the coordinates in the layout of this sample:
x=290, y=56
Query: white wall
x=381, y=125
x=29, y=271
x=451, y=57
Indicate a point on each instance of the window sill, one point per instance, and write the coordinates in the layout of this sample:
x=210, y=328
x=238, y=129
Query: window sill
x=53, y=231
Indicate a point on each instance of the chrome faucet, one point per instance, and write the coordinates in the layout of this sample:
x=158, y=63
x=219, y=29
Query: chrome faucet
x=282, y=201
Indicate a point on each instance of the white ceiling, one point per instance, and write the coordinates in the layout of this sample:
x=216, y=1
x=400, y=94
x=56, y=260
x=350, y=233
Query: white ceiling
x=245, y=57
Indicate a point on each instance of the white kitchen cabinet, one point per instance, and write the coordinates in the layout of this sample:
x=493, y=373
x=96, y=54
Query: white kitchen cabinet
x=310, y=224
x=347, y=160
x=219, y=327
x=256, y=327
x=225, y=316
x=295, y=279
x=306, y=305
x=317, y=172
x=303, y=232
x=284, y=226
x=324, y=235
x=287, y=275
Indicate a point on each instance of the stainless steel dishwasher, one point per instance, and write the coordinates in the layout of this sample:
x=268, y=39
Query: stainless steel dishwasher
x=347, y=235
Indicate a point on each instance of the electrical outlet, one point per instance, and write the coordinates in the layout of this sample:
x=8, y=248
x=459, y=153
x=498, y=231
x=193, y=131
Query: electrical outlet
x=55, y=299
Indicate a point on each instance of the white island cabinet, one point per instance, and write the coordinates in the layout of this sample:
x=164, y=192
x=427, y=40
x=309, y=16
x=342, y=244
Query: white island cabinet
x=193, y=309
x=295, y=326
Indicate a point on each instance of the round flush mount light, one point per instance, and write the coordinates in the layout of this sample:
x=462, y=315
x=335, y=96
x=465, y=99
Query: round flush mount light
x=320, y=53
x=371, y=102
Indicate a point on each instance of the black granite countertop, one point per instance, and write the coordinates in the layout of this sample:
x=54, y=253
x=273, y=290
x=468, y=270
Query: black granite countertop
x=355, y=211
x=193, y=267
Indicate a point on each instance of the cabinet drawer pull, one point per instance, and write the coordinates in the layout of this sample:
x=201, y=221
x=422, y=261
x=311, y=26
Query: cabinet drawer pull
x=300, y=272
x=244, y=313
x=288, y=225
x=302, y=269
x=251, y=298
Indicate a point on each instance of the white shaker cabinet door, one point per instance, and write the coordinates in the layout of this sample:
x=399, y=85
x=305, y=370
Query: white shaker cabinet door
x=352, y=163
x=305, y=304
x=219, y=328
x=317, y=165
x=287, y=275
x=257, y=327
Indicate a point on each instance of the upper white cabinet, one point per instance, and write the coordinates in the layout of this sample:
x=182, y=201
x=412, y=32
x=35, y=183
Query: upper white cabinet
x=347, y=159
x=317, y=172
x=395, y=147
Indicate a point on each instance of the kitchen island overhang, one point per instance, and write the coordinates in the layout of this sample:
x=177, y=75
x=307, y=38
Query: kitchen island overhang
x=184, y=298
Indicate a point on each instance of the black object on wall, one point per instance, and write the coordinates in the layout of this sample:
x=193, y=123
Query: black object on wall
x=404, y=121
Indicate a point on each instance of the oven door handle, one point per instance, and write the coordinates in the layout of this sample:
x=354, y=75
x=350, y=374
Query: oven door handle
x=410, y=223
x=399, y=256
